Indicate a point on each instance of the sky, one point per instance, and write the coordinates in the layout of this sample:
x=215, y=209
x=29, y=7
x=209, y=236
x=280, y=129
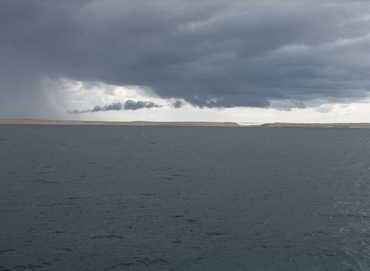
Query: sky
x=194, y=60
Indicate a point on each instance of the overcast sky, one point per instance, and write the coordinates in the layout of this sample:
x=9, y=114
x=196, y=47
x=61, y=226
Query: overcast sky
x=246, y=61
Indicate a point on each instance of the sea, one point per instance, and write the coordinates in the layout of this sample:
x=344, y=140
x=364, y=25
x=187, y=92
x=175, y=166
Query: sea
x=192, y=198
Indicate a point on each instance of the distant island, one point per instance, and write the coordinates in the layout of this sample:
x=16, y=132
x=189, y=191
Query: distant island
x=180, y=124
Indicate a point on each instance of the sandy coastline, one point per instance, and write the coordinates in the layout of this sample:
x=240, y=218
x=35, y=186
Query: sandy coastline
x=315, y=125
x=116, y=123
x=180, y=124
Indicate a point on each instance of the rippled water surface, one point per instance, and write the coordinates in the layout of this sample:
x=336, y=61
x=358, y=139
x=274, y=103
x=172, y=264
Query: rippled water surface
x=167, y=198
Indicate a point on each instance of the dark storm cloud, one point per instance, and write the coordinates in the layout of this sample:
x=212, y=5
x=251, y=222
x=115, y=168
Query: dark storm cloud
x=128, y=105
x=212, y=53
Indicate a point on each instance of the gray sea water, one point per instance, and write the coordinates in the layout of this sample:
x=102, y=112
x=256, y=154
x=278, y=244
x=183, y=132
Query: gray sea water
x=167, y=198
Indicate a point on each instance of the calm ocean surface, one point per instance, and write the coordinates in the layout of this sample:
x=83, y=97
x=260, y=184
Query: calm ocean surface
x=167, y=198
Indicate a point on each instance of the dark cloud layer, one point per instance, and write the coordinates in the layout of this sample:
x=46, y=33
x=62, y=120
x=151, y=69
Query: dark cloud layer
x=212, y=53
x=128, y=105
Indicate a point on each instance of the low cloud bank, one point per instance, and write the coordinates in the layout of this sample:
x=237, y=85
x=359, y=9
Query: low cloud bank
x=128, y=105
